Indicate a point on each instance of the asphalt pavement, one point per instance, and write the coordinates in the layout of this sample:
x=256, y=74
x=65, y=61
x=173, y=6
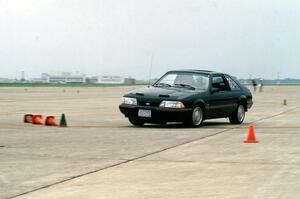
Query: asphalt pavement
x=100, y=155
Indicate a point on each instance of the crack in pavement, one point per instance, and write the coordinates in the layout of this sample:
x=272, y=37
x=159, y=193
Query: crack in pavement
x=224, y=162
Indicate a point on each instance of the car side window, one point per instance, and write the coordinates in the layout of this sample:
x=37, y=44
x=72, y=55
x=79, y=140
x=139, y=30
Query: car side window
x=219, y=83
x=232, y=84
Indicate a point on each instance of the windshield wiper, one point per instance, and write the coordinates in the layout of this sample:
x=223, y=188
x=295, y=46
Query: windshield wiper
x=162, y=85
x=186, y=86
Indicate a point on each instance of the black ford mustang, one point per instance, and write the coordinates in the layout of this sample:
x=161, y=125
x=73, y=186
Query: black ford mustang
x=189, y=96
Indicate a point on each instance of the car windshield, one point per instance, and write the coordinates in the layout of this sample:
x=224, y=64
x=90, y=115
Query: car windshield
x=191, y=81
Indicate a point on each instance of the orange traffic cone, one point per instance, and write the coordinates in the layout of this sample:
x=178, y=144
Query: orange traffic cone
x=37, y=119
x=28, y=118
x=251, y=136
x=50, y=121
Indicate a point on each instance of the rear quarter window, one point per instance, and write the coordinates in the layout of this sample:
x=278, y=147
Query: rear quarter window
x=232, y=84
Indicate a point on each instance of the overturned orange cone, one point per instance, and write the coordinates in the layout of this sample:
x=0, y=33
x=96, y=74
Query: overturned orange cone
x=28, y=118
x=37, y=119
x=50, y=121
x=251, y=136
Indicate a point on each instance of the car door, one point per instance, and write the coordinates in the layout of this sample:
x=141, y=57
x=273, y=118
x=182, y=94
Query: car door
x=236, y=91
x=220, y=101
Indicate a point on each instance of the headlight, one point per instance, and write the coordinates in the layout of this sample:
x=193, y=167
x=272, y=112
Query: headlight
x=129, y=100
x=171, y=104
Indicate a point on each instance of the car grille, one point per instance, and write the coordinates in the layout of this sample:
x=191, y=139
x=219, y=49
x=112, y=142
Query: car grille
x=153, y=104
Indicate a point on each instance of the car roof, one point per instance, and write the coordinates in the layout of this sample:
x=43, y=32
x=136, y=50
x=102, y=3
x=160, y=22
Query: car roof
x=208, y=72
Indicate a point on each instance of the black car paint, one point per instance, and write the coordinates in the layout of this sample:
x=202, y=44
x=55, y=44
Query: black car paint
x=216, y=104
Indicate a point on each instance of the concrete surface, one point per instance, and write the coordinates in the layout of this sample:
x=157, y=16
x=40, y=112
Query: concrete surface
x=100, y=155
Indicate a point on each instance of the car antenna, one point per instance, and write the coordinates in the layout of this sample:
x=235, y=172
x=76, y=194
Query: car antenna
x=150, y=70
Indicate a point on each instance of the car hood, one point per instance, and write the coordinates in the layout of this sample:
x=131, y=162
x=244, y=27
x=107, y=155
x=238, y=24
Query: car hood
x=158, y=92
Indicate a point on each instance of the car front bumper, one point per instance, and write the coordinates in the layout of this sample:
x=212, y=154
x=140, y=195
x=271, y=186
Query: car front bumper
x=158, y=115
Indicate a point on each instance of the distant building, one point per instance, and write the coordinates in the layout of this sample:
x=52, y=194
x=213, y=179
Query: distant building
x=56, y=79
x=64, y=77
x=129, y=81
x=38, y=80
x=7, y=80
x=75, y=78
x=107, y=79
x=92, y=80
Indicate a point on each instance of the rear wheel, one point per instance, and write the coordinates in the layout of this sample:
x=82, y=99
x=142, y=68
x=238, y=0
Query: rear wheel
x=238, y=116
x=196, y=118
x=135, y=121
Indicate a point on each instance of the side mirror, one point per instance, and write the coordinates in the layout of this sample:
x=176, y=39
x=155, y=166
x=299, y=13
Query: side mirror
x=214, y=90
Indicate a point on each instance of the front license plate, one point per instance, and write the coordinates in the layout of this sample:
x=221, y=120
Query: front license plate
x=144, y=113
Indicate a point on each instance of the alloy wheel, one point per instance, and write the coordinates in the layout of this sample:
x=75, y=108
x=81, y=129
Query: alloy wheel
x=197, y=116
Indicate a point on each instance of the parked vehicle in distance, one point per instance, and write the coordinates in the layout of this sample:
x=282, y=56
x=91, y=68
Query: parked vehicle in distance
x=189, y=96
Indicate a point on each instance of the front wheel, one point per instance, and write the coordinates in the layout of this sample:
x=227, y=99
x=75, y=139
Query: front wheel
x=135, y=121
x=196, y=118
x=238, y=116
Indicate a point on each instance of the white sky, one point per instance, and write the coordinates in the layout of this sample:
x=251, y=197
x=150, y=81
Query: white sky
x=240, y=37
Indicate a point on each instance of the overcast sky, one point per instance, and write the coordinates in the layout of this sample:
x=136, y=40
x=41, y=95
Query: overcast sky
x=240, y=37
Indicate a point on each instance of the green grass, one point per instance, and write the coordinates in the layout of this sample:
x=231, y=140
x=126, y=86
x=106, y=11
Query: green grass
x=58, y=85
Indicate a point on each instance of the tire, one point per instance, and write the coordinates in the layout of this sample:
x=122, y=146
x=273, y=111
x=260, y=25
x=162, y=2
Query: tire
x=196, y=118
x=135, y=121
x=238, y=116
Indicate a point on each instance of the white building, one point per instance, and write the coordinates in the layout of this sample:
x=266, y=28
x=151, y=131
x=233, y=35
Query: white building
x=7, y=80
x=64, y=77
